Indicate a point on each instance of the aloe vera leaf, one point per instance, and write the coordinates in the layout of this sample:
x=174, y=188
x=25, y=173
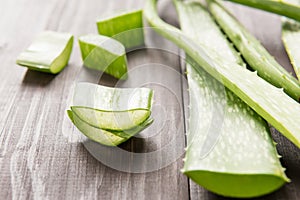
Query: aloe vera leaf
x=50, y=52
x=110, y=120
x=251, y=171
x=254, y=53
x=268, y=101
x=281, y=7
x=291, y=40
x=211, y=36
x=125, y=27
x=104, y=54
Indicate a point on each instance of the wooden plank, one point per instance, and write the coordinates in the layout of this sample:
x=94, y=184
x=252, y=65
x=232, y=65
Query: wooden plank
x=40, y=154
x=41, y=157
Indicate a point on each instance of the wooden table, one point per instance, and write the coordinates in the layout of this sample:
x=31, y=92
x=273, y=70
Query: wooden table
x=41, y=156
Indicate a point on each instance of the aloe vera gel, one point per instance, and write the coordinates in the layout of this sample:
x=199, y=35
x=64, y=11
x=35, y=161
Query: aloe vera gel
x=110, y=116
x=126, y=27
x=49, y=52
x=105, y=54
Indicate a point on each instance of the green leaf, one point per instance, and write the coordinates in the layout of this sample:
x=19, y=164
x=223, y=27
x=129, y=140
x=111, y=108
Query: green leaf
x=50, y=52
x=243, y=161
x=281, y=7
x=254, y=53
x=104, y=54
x=125, y=27
x=291, y=40
x=268, y=101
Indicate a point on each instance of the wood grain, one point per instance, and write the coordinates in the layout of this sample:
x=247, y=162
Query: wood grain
x=40, y=157
x=41, y=154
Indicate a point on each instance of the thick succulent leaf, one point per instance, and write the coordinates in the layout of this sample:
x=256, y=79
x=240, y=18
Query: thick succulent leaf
x=50, y=52
x=268, y=101
x=104, y=54
x=282, y=7
x=243, y=152
x=126, y=27
x=291, y=40
x=254, y=53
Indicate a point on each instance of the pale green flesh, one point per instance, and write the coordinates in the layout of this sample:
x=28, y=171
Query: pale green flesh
x=281, y=7
x=127, y=28
x=111, y=99
x=268, y=101
x=117, y=121
x=104, y=54
x=95, y=134
x=291, y=41
x=254, y=53
x=105, y=137
x=50, y=52
x=244, y=161
x=101, y=112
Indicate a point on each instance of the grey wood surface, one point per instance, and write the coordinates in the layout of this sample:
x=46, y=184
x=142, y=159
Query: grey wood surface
x=42, y=156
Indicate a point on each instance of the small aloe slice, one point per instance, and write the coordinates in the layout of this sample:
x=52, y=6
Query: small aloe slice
x=291, y=40
x=104, y=54
x=111, y=99
x=243, y=162
x=254, y=53
x=50, y=52
x=122, y=112
x=105, y=137
x=268, y=101
x=126, y=27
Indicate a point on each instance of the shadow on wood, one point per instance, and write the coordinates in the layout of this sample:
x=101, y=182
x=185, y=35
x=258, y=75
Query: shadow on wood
x=35, y=78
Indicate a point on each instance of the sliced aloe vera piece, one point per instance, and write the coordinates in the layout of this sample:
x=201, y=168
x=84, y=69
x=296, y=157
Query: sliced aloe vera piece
x=126, y=27
x=291, y=40
x=105, y=137
x=104, y=54
x=110, y=120
x=233, y=167
x=112, y=99
x=268, y=101
x=254, y=53
x=121, y=111
x=50, y=52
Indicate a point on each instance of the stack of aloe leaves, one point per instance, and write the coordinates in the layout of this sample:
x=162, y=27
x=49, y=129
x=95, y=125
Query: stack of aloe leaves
x=240, y=158
x=108, y=115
